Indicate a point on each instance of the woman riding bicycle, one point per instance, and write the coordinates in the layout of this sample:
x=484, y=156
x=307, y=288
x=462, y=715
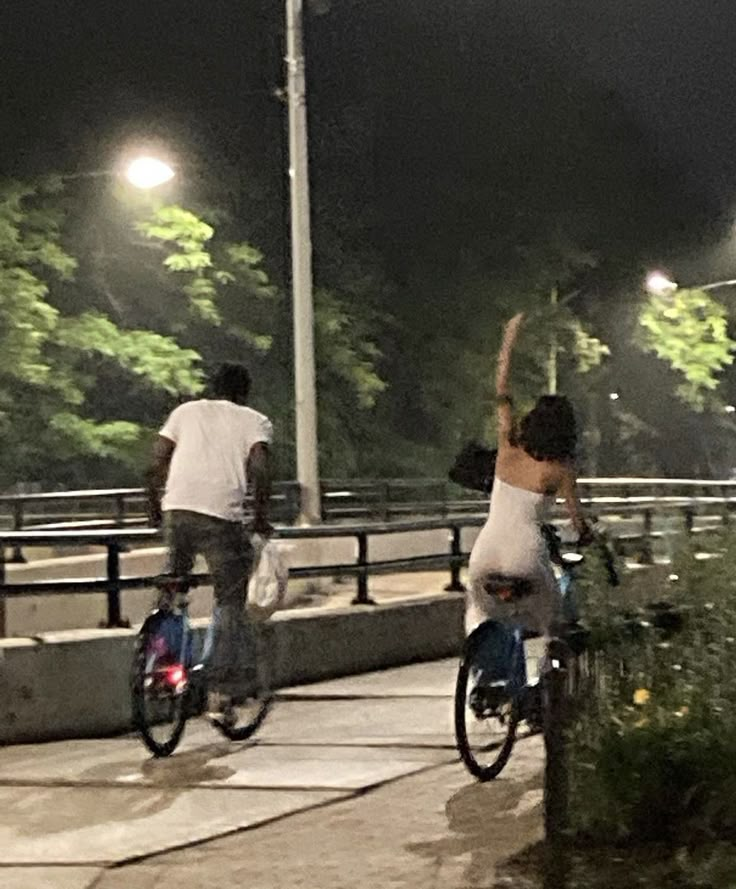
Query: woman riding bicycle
x=534, y=465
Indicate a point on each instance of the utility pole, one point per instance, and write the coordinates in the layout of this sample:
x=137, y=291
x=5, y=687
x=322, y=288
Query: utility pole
x=553, y=348
x=307, y=458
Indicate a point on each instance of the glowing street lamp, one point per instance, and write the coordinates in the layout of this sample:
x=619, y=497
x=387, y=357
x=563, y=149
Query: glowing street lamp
x=148, y=172
x=659, y=284
x=144, y=171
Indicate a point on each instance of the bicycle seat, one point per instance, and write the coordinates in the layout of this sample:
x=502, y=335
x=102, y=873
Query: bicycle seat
x=507, y=587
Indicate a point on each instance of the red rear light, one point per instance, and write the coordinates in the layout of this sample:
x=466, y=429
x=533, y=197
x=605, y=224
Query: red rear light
x=175, y=674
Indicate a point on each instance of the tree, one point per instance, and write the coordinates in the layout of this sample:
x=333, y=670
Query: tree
x=48, y=357
x=689, y=330
x=233, y=309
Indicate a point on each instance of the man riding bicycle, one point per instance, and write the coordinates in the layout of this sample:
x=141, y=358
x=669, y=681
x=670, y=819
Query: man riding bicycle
x=207, y=454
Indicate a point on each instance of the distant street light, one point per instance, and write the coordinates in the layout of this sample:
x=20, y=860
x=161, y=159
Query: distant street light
x=144, y=171
x=148, y=172
x=658, y=284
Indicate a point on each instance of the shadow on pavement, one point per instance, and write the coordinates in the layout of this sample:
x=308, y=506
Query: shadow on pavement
x=182, y=770
x=488, y=823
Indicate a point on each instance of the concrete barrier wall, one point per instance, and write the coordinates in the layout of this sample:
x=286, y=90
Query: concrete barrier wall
x=40, y=614
x=77, y=683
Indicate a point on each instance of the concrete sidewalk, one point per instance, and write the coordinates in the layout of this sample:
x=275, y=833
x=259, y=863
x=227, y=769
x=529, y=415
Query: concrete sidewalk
x=352, y=783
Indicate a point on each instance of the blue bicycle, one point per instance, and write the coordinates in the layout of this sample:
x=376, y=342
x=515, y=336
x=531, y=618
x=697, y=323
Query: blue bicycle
x=169, y=678
x=493, y=694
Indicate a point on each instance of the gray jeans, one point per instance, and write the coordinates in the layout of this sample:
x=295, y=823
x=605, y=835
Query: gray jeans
x=230, y=649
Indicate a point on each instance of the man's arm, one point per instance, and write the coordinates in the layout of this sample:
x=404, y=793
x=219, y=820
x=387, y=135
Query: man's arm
x=259, y=477
x=156, y=476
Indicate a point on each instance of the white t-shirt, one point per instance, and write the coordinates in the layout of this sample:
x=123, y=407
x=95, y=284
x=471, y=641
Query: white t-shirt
x=213, y=440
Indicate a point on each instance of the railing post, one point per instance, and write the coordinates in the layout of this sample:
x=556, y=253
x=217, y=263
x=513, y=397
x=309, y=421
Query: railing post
x=323, y=488
x=120, y=510
x=362, y=597
x=689, y=516
x=646, y=555
x=17, y=557
x=386, y=504
x=555, y=772
x=120, y=519
x=3, y=618
x=292, y=502
x=456, y=555
x=114, y=618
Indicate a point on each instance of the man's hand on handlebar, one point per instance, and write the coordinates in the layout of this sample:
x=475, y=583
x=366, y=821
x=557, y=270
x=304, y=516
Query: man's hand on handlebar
x=260, y=525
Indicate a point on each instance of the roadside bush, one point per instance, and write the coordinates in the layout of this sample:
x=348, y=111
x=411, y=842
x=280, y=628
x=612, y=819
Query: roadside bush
x=653, y=742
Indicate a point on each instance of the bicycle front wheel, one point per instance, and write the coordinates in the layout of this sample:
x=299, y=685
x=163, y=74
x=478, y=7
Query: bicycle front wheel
x=160, y=692
x=485, y=723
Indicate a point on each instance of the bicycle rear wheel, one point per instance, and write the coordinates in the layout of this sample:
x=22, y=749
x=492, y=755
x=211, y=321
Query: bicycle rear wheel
x=485, y=724
x=160, y=691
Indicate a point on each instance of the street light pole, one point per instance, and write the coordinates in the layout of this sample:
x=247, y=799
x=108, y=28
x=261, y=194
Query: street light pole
x=553, y=348
x=307, y=464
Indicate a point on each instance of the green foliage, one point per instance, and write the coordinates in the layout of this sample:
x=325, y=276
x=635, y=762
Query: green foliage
x=157, y=359
x=689, y=330
x=187, y=296
x=48, y=357
x=77, y=436
x=184, y=233
x=651, y=747
x=589, y=351
x=225, y=283
x=174, y=224
x=346, y=350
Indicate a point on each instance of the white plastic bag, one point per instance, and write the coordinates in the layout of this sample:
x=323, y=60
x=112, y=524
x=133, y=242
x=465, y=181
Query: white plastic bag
x=268, y=582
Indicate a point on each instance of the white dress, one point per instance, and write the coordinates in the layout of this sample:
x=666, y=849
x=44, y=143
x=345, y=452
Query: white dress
x=511, y=543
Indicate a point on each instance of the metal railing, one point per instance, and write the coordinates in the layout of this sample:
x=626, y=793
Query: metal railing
x=117, y=541
x=631, y=525
x=344, y=500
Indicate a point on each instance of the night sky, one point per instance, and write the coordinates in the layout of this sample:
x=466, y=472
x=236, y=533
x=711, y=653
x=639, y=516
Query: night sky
x=672, y=59
x=74, y=71
x=434, y=125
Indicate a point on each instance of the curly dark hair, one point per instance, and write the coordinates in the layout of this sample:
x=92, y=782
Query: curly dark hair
x=232, y=382
x=548, y=431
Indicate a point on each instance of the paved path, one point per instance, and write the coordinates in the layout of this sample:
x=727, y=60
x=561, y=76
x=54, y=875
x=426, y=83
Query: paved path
x=352, y=783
